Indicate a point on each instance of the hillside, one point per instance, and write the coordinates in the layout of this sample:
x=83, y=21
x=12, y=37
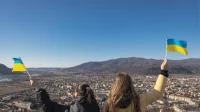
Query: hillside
x=131, y=65
x=135, y=65
x=4, y=70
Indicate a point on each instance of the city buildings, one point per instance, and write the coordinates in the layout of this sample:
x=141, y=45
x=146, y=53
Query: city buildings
x=182, y=93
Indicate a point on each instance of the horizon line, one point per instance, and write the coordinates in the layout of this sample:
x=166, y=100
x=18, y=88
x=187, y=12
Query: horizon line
x=103, y=61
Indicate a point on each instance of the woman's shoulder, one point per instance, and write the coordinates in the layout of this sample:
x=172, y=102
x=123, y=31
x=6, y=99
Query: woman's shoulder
x=75, y=106
x=79, y=107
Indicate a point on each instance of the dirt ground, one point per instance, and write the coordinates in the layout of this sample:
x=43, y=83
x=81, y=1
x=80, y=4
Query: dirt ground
x=10, y=89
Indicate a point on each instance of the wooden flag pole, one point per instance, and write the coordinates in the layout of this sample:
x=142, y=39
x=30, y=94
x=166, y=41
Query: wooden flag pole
x=28, y=73
x=166, y=48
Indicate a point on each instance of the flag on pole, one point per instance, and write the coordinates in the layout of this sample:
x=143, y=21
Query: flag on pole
x=18, y=65
x=174, y=45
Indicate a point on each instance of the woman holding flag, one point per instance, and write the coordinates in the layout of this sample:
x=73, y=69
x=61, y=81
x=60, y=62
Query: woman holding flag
x=85, y=101
x=123, y=97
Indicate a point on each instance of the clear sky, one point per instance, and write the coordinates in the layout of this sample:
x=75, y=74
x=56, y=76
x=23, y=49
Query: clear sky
x=65, y=33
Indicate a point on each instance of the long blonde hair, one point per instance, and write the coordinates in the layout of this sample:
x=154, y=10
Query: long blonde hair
x=122, y=83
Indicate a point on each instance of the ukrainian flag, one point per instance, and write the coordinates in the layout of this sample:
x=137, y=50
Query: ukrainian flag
x=18, y=65
x=174, y=45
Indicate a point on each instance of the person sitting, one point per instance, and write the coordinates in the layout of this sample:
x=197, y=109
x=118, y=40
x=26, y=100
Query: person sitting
x=123, y=97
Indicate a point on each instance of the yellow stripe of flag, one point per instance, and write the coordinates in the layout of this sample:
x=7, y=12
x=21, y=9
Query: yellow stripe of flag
x=18, y=65
x=174, y=45
x=176, y=48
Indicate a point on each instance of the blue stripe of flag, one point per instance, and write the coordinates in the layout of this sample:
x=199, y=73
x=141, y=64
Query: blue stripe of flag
x=182, y=44
x=17, y=61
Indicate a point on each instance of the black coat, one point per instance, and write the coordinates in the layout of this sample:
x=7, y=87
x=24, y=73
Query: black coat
x=78, y=105
x=81, y=105
x=49, y=106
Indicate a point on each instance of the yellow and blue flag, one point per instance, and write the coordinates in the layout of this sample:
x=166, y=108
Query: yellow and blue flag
x=18, y=65
x=174, y=45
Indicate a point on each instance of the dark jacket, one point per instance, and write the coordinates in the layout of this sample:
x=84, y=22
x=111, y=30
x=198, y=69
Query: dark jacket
x=78, y=105
x=49, y=106
x=81, y=105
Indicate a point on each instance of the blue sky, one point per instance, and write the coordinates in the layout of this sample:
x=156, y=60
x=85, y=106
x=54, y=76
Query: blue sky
x=65, y=33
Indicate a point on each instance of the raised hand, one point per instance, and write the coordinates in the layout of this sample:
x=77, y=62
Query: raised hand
x=31, y=81
x=164, y=65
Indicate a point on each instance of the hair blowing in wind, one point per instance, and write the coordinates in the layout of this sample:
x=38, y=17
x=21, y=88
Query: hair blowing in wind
x=122, y=94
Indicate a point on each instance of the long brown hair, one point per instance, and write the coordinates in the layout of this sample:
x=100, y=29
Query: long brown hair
x=87, y=92
x=122, y=83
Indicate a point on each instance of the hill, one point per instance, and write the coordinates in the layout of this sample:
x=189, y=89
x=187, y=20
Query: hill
x=44, y=69
x=4, y=70
x=130, y=65
x=135, y=65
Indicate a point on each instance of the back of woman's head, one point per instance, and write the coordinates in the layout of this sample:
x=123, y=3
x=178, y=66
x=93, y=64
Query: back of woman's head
x=87, y=92
x=122, y=93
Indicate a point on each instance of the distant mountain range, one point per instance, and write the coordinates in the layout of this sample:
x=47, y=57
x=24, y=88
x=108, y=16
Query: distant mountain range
x=44, y=69
x=131, y=65
x=4, y=70
x=135, y=65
